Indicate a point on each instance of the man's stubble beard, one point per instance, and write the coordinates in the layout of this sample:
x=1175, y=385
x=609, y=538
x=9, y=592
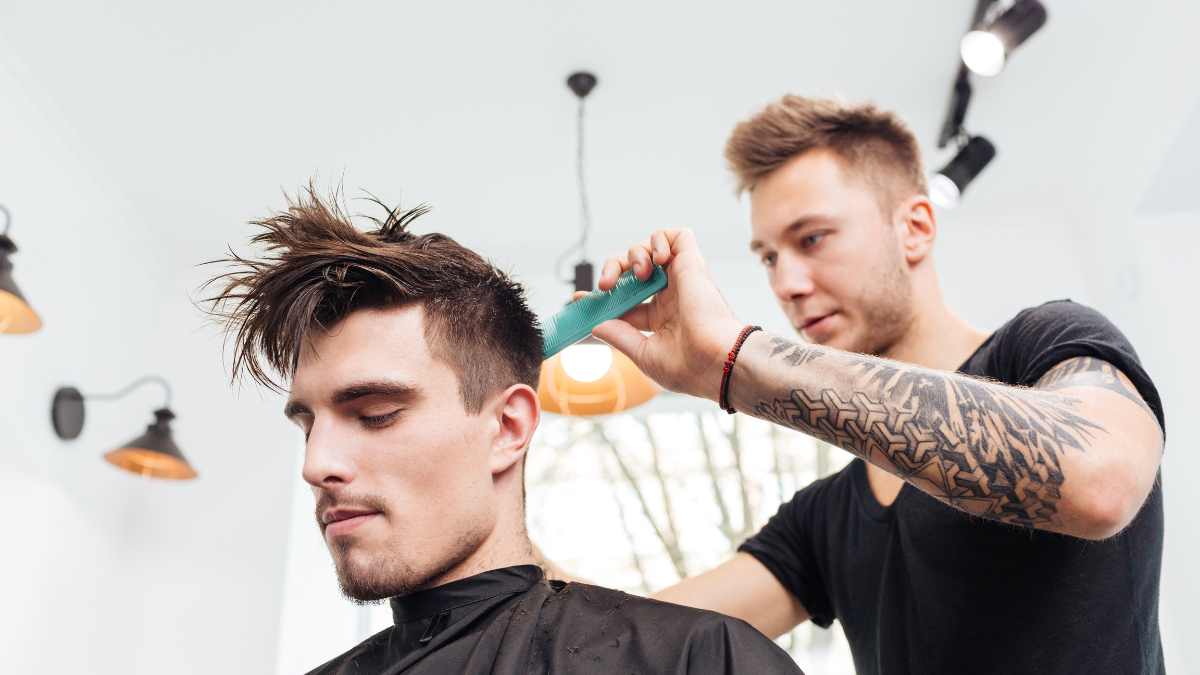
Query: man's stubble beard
x=887, y=310
x=388, y=574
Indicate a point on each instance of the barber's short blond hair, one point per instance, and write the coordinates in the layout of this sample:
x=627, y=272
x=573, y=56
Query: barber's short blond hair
x=874, y=143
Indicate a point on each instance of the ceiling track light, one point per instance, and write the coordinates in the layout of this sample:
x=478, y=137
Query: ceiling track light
x=151, y=455
x=986, y=49
x=946, y=187
x=16, y=315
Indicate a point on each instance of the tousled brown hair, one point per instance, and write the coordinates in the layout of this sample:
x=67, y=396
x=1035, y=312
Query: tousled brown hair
x=874, y=143
x=318, y=268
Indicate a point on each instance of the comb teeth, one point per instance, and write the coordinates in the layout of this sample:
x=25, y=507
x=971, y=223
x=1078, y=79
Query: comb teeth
x=576, y=321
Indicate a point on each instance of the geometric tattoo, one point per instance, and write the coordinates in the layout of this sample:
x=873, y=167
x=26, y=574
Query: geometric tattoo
x=983, y=449
x=1086, y=371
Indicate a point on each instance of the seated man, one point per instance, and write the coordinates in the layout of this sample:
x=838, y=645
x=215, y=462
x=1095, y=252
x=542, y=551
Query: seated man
x=410, y=363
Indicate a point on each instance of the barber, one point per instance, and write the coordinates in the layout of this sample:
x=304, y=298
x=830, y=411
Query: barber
x=1004, y=510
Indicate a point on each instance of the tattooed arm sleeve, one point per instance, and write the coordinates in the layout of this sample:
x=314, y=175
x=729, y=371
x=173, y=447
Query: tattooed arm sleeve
x=1076, y=454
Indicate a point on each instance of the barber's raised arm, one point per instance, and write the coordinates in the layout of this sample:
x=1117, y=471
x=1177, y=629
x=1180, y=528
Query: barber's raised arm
x=1076, y=454
x=742, y=588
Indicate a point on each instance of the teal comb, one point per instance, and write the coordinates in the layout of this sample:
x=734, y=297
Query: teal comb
x=576, y=321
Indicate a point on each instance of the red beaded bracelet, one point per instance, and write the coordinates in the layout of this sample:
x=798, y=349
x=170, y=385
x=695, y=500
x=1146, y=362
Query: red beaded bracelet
x=723, y=400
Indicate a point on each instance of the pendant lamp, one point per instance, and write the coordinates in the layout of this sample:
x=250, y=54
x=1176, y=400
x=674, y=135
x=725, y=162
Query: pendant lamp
x=589, y=377
x=152, y=454
x=16, y=316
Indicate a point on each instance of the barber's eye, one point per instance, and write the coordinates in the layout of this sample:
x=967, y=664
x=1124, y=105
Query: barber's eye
x=811, y=240
x=378, y=421
x=768, y=260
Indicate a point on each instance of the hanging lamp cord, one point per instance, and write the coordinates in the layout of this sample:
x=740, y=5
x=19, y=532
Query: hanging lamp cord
x=579, y=248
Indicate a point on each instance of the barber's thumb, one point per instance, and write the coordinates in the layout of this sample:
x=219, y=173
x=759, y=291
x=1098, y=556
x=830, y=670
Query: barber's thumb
x=620, y=335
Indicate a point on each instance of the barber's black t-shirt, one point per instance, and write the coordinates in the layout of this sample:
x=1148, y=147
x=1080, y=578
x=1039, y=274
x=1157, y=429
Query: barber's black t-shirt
x=921, y=588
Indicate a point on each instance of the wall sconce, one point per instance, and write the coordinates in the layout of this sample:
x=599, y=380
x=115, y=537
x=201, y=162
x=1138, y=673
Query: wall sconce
x=153, y=454
x=16, y=316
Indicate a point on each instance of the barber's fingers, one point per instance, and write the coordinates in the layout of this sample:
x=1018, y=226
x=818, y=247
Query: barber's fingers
x=639, y=317
x=661, y=247
x=655, y=250
x=613, y=267
x=622, y=336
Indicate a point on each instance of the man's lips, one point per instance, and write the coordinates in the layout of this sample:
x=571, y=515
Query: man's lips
x=815, y=320
x=342, y=521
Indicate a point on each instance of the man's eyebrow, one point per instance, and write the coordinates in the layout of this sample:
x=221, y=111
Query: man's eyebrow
x=796, y=225
x=356, y=391
x=389, y=388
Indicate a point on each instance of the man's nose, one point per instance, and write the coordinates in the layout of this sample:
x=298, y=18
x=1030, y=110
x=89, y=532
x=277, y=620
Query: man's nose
x=792, y=278
x=326, y=460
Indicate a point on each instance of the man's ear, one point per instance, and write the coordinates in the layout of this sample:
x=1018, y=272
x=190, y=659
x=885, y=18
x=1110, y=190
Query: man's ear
x=916, y=227
x=517, y=414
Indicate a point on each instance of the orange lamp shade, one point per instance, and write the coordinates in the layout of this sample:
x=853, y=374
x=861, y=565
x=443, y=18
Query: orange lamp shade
x=154, y=453
x=151, y=463
x=621, y=388
x=16, y=316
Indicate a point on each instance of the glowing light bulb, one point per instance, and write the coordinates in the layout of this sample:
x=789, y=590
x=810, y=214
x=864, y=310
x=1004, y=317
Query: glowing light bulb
x=587, y=362
x=983, y=52
x=943, y=191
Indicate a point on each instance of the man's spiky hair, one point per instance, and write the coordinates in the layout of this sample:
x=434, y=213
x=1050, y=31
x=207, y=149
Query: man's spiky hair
x=318, y=267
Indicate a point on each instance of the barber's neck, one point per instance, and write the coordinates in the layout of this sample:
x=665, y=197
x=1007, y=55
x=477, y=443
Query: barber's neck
x=937, y=337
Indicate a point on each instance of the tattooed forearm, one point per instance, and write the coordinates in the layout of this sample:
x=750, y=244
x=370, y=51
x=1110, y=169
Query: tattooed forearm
x=1085, y=371
x=791, y=353
x=984, y=448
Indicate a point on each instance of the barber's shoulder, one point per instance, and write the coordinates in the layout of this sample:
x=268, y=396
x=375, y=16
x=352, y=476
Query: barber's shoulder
x=1060, y=312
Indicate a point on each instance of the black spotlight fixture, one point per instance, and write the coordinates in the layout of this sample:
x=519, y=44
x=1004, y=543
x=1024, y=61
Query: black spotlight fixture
x=152, y=455
x=16, y=316
x=947, y=185
x=986, y=49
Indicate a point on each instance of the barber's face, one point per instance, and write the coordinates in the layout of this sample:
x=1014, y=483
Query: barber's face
x=832, y=257
x=398, y=467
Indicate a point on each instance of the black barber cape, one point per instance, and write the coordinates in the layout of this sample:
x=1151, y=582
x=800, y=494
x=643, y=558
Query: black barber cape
x=512, y=622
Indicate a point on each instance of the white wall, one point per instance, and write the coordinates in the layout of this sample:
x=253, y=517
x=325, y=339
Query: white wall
x=1168, y=254
x=101, y=571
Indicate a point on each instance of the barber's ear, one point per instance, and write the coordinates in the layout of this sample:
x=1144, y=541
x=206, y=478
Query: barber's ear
x=517, y=414
x=916, y=227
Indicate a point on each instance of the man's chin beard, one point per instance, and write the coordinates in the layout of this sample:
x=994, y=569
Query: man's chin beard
x=366, y=582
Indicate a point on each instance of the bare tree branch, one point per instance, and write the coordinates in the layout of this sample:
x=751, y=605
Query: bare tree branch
x=662, y=485
x=671, y=546
x=726, y=523
x=637, y=559
x=735, y=444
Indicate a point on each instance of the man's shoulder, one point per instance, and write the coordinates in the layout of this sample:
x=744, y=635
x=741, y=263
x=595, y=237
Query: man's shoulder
x=360, y=654
x=699, y=632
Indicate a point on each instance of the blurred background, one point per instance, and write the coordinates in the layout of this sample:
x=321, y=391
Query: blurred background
x=137, y=138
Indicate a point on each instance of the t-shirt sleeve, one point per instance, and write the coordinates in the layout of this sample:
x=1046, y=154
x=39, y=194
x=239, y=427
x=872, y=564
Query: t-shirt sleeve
x=785, y=547
x=1044, y=336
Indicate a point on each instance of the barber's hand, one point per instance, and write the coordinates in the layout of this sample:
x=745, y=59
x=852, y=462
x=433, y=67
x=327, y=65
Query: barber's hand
x=692, y=326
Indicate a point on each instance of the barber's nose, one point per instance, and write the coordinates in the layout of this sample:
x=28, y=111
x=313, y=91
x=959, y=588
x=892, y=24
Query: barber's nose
x=792, y=278
x=326, y=462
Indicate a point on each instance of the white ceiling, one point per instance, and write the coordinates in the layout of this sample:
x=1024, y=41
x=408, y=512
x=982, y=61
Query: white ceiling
x=193, y=117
